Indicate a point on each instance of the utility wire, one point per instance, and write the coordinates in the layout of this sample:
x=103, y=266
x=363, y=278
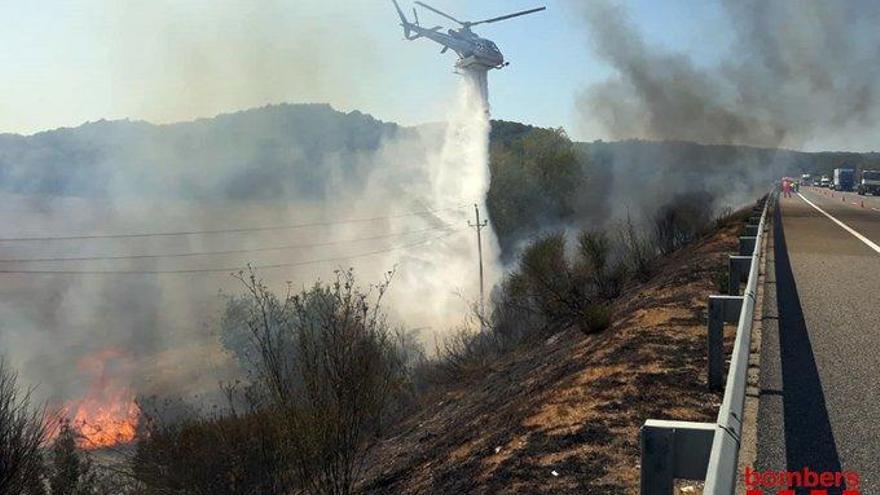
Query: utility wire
x=227, y=269
x=224, y=231
x=223, y=252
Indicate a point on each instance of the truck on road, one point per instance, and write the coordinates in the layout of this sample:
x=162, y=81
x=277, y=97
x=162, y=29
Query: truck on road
x=806, y=179
x=869, y=183
x=844, y=179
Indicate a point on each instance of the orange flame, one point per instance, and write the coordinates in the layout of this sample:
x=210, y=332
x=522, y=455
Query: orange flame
x=108, y=414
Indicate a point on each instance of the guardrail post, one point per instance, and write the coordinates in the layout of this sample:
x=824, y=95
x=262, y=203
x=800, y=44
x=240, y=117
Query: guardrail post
x=722, y=309
x=747, y=245
x=738, y=272
x=658, y=460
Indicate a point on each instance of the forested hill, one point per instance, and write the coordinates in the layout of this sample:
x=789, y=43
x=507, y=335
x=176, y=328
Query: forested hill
x=268, y=152
x=540, y=179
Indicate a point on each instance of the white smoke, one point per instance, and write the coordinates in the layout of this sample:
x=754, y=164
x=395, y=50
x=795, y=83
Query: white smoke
x=437, y=285
x=166, y=323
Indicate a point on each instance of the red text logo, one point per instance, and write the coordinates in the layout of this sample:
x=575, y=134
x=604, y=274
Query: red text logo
x=785, y=482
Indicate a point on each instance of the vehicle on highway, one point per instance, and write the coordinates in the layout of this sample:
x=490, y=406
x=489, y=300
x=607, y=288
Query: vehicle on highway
x=844, y=179
x=806, y=179
x=817, y=181
x=869, y=183
x=825, y=181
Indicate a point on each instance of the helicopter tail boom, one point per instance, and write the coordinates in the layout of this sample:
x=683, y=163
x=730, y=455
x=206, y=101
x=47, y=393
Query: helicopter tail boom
x=407, y=26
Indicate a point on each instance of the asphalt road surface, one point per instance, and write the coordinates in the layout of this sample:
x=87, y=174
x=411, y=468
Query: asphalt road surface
x=820, y=362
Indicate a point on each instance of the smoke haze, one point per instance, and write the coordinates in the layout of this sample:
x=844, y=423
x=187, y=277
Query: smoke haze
x=276, y=166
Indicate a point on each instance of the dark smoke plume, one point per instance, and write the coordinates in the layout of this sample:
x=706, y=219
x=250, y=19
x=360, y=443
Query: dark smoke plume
x=798, y=74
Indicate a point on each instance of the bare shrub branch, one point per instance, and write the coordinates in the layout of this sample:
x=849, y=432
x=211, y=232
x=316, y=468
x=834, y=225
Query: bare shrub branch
x=23, y=431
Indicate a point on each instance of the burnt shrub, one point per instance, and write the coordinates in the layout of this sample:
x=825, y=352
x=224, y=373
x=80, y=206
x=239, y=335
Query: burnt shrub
x=638, y=251
x=681, y=221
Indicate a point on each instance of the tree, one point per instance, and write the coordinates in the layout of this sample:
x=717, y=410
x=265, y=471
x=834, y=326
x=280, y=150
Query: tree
x=331, y=368
x=71, y=472
x=537, y=177
x=22, y=433
x=325, y=375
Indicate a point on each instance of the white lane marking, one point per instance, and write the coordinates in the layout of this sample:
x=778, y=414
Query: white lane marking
x=844, y=226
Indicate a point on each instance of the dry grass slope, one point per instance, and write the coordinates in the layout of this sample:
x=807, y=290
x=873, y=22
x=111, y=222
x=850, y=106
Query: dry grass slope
x=572, y=405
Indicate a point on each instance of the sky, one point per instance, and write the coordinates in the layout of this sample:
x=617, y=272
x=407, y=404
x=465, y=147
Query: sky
x=66, y=62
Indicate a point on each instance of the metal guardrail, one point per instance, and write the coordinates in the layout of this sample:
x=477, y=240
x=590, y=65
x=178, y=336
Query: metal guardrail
x=673, y=450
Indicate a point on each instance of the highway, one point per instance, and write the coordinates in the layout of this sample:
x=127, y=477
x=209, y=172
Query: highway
x=820, y=361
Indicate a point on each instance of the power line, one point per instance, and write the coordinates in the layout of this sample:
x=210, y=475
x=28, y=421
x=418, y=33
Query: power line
x=223, y=231
x=227, y=269
x=223, y=252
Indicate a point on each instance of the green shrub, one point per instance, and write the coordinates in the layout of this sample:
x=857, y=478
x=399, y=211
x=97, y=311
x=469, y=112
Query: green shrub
x=536, y=174
x=596, y=319
x=598, y=265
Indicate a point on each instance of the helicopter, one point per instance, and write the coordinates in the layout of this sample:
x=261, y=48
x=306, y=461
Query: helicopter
x=471, y=49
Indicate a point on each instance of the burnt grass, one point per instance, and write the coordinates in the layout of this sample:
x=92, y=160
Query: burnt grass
x=571, y=405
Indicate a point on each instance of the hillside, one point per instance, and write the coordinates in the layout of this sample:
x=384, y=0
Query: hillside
x=563, y=416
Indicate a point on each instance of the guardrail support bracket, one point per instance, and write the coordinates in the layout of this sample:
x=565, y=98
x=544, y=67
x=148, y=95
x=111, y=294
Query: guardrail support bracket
x=673, y=450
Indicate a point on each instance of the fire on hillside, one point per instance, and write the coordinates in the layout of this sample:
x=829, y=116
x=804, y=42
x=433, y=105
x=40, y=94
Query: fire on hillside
x=108, y=414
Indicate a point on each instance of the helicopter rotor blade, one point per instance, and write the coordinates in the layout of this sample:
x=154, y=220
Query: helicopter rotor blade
x=440, y=12
x=508, y=16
